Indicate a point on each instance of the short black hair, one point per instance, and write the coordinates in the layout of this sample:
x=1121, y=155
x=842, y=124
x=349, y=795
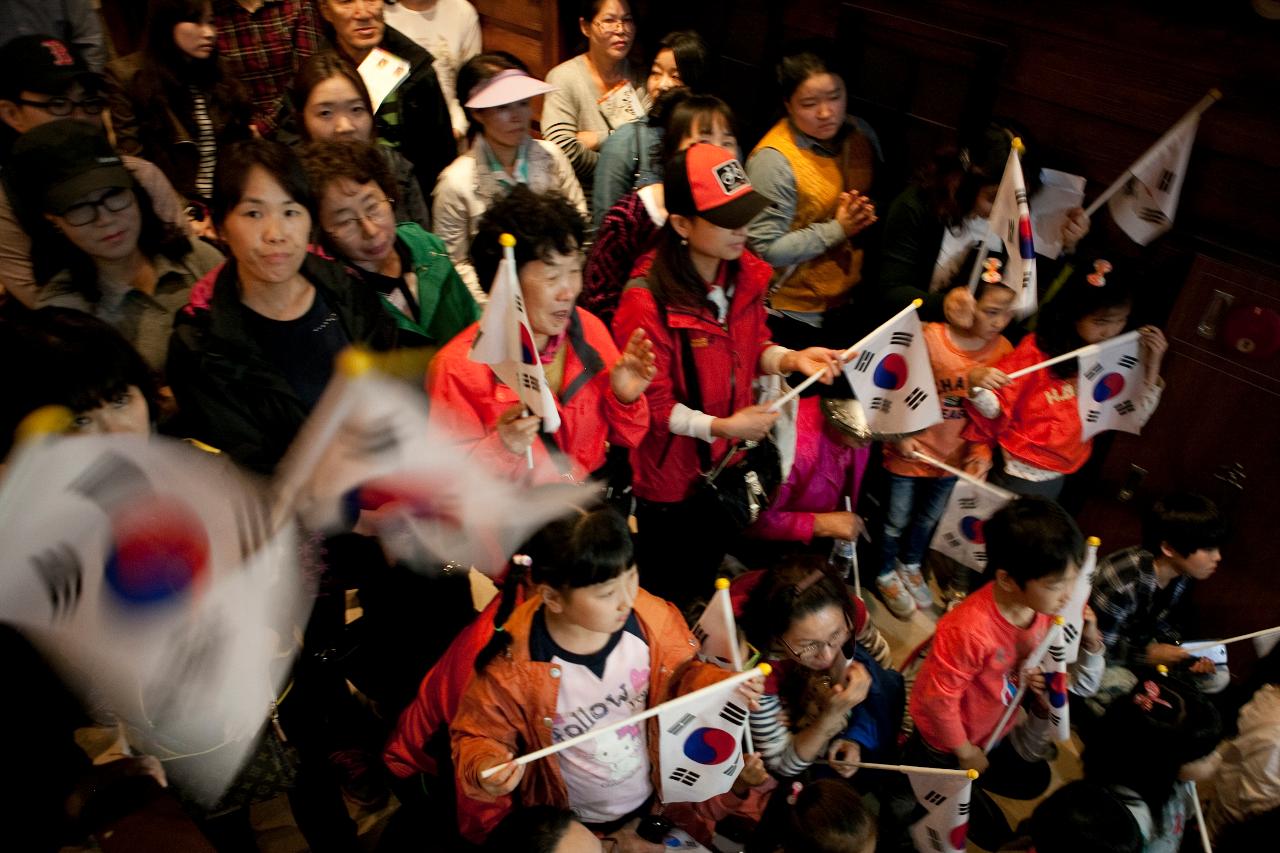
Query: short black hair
x=806, y=59
x=275, y=158
x=1184, y=521
x=796, y=588
x=828, y=817
x=532, y=829
x=1031, y=538
x=542, y=223
x=1056, y=332
x=1084, y=816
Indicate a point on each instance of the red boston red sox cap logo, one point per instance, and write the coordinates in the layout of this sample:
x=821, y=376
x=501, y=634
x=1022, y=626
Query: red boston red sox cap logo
x=61, y=55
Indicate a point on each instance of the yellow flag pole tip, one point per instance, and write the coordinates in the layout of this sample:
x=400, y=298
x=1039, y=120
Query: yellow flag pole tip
x=1162, y=669
x=973, y=774
x=353, y=362
x=722, y=583
x=765, y=669
x=46, y=420
x=1093, y=541
x=1059, y=620
x=507, y=241
x=917, y=302
x=1018, y=146
x=1215, y=93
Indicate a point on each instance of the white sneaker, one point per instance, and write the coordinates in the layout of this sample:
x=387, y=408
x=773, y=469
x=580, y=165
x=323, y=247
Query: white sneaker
x=895, y=595
x=916, y=583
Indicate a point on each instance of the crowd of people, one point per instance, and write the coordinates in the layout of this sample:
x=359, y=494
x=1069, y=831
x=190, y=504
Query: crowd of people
x=191, y=234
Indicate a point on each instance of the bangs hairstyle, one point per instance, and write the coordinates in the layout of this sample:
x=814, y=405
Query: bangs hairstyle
x=275, y=158
x=1056, y=332
x=480, y=69
x=808, y=59
x=678, y=112
x=779, y=599
x=315, y=70
x=70, y=359
x=1186, y=522
x=693, y=60
x=828, y=817
x=1084, y=816
x=542, y=223
x=1032, y=538
x=158, y=43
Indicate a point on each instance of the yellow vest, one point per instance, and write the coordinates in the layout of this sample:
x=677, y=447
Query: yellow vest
x=823, y=282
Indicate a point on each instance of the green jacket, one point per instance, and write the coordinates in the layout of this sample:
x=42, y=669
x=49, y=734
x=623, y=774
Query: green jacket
x=446, y=306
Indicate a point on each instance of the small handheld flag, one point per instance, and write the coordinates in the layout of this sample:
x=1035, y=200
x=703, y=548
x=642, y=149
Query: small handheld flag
x=1109, y=386
x=893, y=379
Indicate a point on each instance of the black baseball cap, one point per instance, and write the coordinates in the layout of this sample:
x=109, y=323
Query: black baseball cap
x=42, y=64
x=55, y=165
x=708, y=181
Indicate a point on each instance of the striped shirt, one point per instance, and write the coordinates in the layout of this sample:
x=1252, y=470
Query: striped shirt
x=205, y=144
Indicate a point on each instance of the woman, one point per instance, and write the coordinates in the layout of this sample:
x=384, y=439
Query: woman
x=172, y=102
x=407, y=266
x=253, y=350
x=832, y=694
x=934, y=224
x=332, y=102
x=699, y=298
x=596, y=92
x=817, y=163
x=496, y=90
x=119, y=261
x=626, y=156
x=629, y=228
x=599, y=392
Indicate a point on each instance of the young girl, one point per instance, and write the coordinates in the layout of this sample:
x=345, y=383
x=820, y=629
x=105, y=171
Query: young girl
x=332, y=102
x=497, y=91
x=918, y=492
x=826, y=816
x=1035, y=418
x=699, y=298
x=172, y=102
x=630, y=227
x=590, y=639
x=1150, y=746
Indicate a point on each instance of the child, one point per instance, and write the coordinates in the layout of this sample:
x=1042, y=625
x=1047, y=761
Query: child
x=918, y=491
x=1034, y=551
x=827, y=817
x=541, y=829
x=1142, y=594
x=1080, y=816
x=591, y=648
x=1035, y=418
x=1151, y=744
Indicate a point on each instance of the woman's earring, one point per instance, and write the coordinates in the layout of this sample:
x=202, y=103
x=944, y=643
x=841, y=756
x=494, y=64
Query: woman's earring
x=683, y=241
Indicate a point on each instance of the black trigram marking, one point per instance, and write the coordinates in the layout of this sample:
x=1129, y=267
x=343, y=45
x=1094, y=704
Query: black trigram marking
x=1127, y=361
x=732, y=769
x=1125, y=407
x=530, y=381
x=1020, y=196
x=935, y=840
x=110, y=480
x=968, y=502
x=864, y=361
x=1058, y=653
x=901, y=339
x=195, y=660
x=963, y=809
x=700, y=634
x=1092, y=372
x=1055, y=718
x=934, y=798
x=881, y=404
x=519, y=302
x=685, y=776
x=915, y=398
x=1153, y=215
x=732, y=714
x=63, y=577
x=681, y=724
x=1092, y=417
x=374, y=438
x=1166, y=180
x=253, y=523
x=980, y=556
x=952, y=539
x=1070, y=631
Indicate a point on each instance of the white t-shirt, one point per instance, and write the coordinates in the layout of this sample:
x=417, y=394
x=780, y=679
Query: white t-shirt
x=451, y=34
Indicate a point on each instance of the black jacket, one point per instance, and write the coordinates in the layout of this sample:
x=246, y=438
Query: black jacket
x=229, y=394
x=424, y=133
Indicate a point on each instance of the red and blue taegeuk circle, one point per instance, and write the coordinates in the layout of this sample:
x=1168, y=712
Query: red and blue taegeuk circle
x=407, y=492
x=160, y=549
x=971, y=527
x=709, y=746
x=891, y=373
x=1056, y=684
x=960, y=837
x=1107, y=387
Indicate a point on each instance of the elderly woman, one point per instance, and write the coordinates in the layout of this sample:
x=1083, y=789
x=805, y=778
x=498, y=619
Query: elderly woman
x=599, y=392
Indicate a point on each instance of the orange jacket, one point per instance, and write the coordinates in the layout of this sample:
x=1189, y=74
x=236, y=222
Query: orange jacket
x=509, y=708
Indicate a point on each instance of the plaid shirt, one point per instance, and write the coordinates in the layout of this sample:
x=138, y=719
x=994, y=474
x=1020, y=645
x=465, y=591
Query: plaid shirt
x=1132, y=610
x=263, y=49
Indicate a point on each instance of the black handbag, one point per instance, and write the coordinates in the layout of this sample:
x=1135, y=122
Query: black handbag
x=734, y=492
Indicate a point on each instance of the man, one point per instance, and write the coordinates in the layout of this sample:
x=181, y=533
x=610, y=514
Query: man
x=449, y=30
x=43, y=79
x=75, y=22
x=414, y=118
x=262, y=43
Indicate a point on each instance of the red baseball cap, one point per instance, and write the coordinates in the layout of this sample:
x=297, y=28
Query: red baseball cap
x=708, y=181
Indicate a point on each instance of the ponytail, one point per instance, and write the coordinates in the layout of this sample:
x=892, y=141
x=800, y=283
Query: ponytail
x=510, y=597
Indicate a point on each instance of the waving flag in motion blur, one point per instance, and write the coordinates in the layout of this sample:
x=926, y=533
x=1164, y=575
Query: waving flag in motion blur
x=1010, y=220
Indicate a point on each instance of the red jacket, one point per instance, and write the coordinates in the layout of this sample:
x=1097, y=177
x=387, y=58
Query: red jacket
x=727, y=359
x=467, y=397
x=1039, y=421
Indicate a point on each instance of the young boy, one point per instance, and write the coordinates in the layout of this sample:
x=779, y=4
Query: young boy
x=1142, y=594
x=918, y=491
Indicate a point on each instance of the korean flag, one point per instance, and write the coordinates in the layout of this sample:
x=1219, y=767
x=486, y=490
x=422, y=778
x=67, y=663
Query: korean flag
x=700, y=748
x=1110, y=385
x=892, y=378
x=959, y=532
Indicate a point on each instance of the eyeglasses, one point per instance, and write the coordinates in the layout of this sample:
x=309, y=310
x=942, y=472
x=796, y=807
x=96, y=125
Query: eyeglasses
x=114, y=200
x=379, y=213
x=811, y=650
x=615, y=25
x=66, y=106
